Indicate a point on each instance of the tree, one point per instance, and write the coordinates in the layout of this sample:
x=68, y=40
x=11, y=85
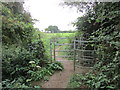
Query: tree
x=81, y=6
x=101, y=24
x=52, y=29
x=19, y=46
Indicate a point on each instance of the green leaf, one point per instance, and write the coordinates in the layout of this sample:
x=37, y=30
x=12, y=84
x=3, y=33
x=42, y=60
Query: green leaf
x=97, y=85
x=36, y=86
x=111, y=87
x=28, y=80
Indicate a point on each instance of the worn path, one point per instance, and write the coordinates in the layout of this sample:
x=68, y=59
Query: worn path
x=61, y=79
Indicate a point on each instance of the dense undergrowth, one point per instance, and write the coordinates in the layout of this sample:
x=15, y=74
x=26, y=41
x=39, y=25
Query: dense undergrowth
x=101, y=24
x=24, y=56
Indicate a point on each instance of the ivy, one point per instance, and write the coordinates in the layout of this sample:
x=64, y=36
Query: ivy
x=101, y=25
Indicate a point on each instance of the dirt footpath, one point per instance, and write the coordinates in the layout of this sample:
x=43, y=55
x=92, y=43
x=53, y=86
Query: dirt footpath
x=61, y=79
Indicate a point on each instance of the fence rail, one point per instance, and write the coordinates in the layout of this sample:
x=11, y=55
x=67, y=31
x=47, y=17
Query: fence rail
x=63, y=50
x=64, y=44
x=82, y=41
x=80, y=52
x=63, y=56
x=85, y=50
x=65, y=38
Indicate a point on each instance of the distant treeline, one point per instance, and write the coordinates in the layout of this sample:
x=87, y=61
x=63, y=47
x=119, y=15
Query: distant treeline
x=63, y=32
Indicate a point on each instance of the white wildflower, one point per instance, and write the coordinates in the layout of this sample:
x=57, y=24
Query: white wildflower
x=31, y=62
x=38, y=66
x=77, y=60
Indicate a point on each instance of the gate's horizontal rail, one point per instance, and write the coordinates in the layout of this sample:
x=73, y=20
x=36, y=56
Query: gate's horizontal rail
x=85, y=50
x=65, y=38
x=64, y=44
x=87, y=57
x=84, y=59
x=83, y=67
x=82, y=41
x=64, y=60
x=63, y=56
x=63, y=50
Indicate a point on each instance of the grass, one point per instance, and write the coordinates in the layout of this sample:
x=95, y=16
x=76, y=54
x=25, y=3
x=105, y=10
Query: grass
x=46, y=37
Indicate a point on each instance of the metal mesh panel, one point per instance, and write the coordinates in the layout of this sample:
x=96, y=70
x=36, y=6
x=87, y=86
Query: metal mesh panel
x=85, y=53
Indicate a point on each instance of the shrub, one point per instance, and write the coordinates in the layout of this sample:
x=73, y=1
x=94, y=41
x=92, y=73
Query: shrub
x=46, y=71
x=17, y=61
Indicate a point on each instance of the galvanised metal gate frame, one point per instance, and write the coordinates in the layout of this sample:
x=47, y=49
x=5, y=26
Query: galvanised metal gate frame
x=84, y=54
x=53, y=44
x=79, y=51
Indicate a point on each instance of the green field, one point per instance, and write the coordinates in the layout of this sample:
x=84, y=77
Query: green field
x=56, y=35
x=46, y=37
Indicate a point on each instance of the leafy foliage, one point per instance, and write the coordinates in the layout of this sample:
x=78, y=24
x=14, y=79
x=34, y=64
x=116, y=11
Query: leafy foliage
x=101, y=24
x=14, y=28
x=23, y=56
x=55, y=66
x=17, y=62
x=46, y=71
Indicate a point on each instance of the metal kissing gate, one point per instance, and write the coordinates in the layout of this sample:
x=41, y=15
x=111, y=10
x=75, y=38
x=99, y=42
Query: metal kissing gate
x=84, y=53
x=61, y=46
x=81, y=52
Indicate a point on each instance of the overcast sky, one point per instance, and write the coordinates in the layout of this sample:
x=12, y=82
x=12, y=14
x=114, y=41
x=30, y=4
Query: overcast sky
x=49, y=12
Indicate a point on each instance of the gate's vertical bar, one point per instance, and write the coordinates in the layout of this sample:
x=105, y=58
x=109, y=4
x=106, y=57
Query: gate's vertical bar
x=0, y=46
x=54, y=49
x=79, y=52
x=51, y=49
x=74, y=54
